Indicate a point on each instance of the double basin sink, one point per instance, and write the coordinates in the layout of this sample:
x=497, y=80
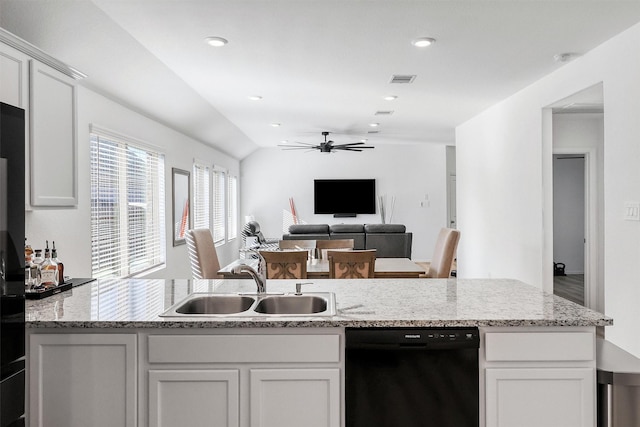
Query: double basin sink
x=252, y=305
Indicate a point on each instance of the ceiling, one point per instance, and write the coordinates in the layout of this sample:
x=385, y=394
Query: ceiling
x=319, y=65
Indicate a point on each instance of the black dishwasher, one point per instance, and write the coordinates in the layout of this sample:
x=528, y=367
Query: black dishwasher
x=412, y=377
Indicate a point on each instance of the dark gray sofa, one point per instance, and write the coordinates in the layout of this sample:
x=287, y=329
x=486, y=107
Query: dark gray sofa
x=389, y=240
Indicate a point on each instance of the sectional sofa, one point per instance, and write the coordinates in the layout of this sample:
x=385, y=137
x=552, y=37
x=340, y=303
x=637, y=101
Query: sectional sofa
x=389, y=240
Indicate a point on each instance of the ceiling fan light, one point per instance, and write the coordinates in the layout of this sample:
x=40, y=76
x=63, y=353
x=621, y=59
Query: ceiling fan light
x=216, y=41
x=423, y=41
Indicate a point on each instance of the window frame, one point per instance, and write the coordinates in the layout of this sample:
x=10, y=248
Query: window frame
x=130, y=212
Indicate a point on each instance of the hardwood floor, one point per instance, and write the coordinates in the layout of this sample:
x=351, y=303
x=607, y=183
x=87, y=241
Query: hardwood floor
x=570, y=287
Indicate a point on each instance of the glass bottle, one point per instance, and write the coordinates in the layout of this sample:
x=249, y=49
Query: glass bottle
x=48, y=270
x=54, y=257
x=28, y=257
x=36, y=263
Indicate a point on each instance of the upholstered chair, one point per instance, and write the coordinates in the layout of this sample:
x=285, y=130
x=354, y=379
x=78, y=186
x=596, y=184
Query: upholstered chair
x=351, y=264
x=324, y=246
x=444, y=253
x=286, y=264
x=202, y=254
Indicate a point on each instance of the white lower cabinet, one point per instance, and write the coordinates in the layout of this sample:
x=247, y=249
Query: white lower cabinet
x=536, y=397
x=80, y=380
x=251, y=379
x=194, y=398
x=539, y=377
x=295, y=397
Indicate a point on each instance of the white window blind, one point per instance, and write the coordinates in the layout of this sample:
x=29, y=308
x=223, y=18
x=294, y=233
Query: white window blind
x=201, y=196
x=127, y=207
x=219, y=197
x=232, y=210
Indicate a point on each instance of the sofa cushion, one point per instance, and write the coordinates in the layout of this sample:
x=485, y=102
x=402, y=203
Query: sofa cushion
x=309, y=229
x=385, y=228
x=347, y=228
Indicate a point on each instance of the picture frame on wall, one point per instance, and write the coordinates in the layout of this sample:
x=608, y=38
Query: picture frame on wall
x=181, y=205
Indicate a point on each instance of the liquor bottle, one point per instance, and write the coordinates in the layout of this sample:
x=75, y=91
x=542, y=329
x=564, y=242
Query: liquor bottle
x=28, y=256
x=48, y=270
x=54, y=257
x=36, y=263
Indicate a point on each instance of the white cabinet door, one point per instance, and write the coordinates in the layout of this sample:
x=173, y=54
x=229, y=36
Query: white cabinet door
x=14, y=77
x=53, y=137
x=295, y=397
x=536, y=397
x=82, y=380
x=194, y=398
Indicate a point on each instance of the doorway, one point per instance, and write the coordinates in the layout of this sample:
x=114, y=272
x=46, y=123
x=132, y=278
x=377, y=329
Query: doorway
x=569, y=214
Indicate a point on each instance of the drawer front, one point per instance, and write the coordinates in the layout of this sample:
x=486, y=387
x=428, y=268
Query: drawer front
x=243, y=348
x=539, y=346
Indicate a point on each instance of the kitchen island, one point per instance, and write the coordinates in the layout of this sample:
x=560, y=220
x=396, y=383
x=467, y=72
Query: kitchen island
x=101, y=354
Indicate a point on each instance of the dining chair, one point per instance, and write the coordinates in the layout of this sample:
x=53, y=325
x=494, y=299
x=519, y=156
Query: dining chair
x=333, y=245
x=301, y=245
x=202, y=254
x=285, y=264
x=352, y=264
x=444, y=253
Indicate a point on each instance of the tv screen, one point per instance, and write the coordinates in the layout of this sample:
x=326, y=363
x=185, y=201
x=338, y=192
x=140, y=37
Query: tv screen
x=344, y=196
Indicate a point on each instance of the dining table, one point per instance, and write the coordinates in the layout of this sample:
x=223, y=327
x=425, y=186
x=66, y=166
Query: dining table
x=390, y=268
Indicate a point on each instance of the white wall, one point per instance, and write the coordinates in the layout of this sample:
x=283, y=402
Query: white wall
x=71, y=228
x=411, y=173
x=504, y=181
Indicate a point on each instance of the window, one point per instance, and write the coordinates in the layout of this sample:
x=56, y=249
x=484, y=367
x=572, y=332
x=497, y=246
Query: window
x=201, y=196
x=219, y=197
x=128, y=234
x=232, y=210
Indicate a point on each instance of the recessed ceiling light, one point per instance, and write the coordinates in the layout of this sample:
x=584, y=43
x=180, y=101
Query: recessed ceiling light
x=255, y=97
x=275, y=125
x=423, y=41
x=364, y=140
x=390, y=98
x=216, y=41
x=374, y=125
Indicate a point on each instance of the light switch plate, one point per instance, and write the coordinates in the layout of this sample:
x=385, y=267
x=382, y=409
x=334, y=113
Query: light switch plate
x=632, y=211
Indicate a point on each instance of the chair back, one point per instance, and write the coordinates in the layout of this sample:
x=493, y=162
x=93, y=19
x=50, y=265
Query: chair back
x=444, y=253
x=324, y=246
x=351, y=264
x=285, y=264
x=202, y=254
x=301, y=245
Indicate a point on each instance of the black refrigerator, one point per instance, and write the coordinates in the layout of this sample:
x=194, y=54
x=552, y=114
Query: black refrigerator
x=12, y=266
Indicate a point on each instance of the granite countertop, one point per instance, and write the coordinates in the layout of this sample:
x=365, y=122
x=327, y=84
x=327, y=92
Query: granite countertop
x=137, y=303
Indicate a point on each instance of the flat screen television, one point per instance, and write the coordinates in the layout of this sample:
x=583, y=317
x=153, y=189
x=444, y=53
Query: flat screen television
x=346, y=197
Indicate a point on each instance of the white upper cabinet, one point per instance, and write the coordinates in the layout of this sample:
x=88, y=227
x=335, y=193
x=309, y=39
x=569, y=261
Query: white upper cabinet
x=14, y=87
x=53, y=137
x=45, y=88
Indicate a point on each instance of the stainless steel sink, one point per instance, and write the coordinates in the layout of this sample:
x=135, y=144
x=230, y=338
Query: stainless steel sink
x=292, y=304
x=216, y=304
x=254, y=305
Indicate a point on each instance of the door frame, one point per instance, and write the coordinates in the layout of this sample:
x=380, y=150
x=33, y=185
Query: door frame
x=590, y=221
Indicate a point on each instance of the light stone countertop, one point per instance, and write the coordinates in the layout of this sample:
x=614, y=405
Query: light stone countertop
x=137, y=303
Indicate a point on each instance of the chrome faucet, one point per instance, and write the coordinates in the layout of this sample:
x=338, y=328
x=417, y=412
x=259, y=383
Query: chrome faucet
x=259, y=275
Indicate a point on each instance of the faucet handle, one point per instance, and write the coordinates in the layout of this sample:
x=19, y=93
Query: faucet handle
x=299, y=287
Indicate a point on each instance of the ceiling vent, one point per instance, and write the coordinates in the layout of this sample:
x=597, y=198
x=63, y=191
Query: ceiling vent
x=373, y=131
x=402, y=78
x=384, y=113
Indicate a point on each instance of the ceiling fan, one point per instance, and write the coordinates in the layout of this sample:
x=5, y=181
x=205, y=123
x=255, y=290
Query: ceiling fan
x=326, y=146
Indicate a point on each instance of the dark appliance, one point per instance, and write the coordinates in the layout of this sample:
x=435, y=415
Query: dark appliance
x=12, y=310
x=344, y=197
x=412, y=377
